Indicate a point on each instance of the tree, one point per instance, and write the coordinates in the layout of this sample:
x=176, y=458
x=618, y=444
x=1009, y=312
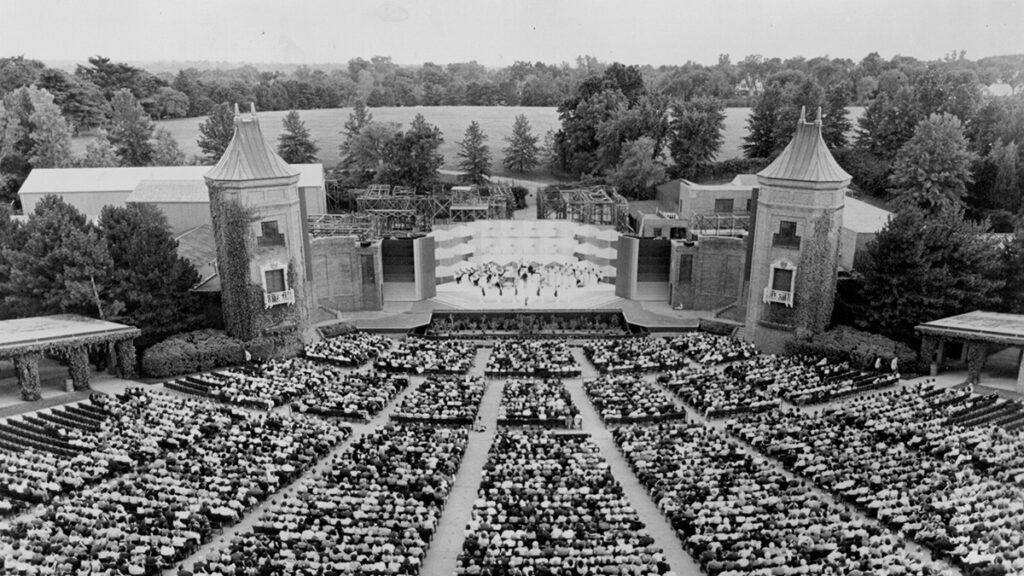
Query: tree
x=130, y=130
x=148, y=278
x=368, y=149
x=933, y=168
x=522, y=153
x=170, y=103
x=474, y=155
x=637, y=173
x=216, y=131
x=61, y=266
x=359, y=119
x=695, y=133
x=166, y=151
x=99, y=153
x=294, y=144
x=1012, y=264
x=923, y=267
x=760, y=140
x=51, y=135
x=412, y=158
x=888, y=122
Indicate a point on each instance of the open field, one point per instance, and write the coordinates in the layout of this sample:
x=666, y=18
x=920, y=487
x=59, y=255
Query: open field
x=325, y=127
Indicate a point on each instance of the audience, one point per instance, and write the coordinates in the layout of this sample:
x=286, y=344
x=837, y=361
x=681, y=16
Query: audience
x=422, y=356
x=535, y=402
x=706, y=348
x=353, y=349
x=372, y=511
x=445, y=399
x=548, y=504
x=626, y=398
x=633, y=355
x=716, y=395
x=521, y=357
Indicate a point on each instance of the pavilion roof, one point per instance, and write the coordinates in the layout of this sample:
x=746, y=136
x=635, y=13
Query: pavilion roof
x=249, y=156
x=806, y=158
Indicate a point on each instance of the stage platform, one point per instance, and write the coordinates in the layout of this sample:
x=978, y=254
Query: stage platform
x=465, y=296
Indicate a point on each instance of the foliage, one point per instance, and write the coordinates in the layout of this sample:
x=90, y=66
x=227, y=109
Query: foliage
x=869, y=172
x=147, y=276
x=60, y=264
x=695, y=133
x=294, y=145
x=170, y=103
x=1012, y=264
x=922, y=267
x=30, y=128
x=859, y=348
x=412, y=158
x=1004, y=192
x=216, y=131
x=198, y=351
x=932, y=169
x=99, y=153
x=776, y=111
x=888, y=122
x=522, y=153
x=367, y=150
x=359, y=119
x=474, y=154
x=638, y=173
x=166, y=151
x=130, y=130
x=241, y=304
x=50, y=133
x=335, y=329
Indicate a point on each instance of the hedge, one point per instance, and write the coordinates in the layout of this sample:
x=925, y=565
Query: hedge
x=188, y=352
x=859, y=348
x=336, y=329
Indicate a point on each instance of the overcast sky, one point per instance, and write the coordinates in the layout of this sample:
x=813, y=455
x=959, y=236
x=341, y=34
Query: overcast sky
x=499, y=32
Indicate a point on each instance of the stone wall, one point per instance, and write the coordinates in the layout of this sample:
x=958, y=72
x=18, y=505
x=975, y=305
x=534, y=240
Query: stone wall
x=347, y=275
x=708, y=274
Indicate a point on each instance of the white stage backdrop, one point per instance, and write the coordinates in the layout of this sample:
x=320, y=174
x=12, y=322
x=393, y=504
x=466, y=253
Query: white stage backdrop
x=541, y=241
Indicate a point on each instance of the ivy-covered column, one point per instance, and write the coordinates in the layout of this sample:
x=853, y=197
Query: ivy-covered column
x=27, y=367
x=926, y=357
x=78, y=367
x=977, y=353
x=126, y=359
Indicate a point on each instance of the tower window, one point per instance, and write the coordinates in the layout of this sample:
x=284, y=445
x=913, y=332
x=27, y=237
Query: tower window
x=723, y=205
x=269, y=234
x=273, y=281
x=780, y=283
x=786, y=236
x=275, y=288
x=782, y=280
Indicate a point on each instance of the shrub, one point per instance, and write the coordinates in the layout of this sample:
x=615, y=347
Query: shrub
x=276, y=346
x=520, y=194
x=336, y=329
x=188, y=352
x=859, y=348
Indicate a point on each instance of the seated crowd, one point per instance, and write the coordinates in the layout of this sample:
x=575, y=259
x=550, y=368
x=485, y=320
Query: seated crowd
x=341, y=394
x=707, y=348
x=716, y=395
x=738, y=515
x=536, y=401
x=918, y=416
x=451, y=399
x=372, y=511
x=629, y=398
x=808, y=380
x=549, y=505
x=147, y=520
x=353, y=349
x=633, y=355
x=423, y=356
x=521, y=357
x=977, y=522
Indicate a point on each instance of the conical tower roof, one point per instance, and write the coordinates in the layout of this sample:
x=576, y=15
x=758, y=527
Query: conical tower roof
x=249, y=157
x=806, y=159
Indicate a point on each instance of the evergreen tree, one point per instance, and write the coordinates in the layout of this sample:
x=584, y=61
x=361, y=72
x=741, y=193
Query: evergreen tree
x=888, y=122
x=933, y=168
x=474, y=154
x=130, y=130
x=368, y=149
x=148, y=278
x=166, y=151
x=924, y=267
x=61, y=265
x=294, y=145
x=100, y=153
x=695, y=133
x=760, y=141
x=637, y=173
x=836, y=117
x=522, y=153
x=215, y=132
x=359, y=119
x=1005, y=193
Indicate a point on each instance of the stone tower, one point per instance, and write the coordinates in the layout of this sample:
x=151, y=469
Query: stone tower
x=262, y=248
x=795, y=243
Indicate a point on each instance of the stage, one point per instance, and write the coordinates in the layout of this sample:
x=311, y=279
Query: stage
x=466, y=296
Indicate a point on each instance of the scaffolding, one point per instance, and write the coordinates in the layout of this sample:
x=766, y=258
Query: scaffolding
x=594, y=205
x=720, y=224
x=469, y=203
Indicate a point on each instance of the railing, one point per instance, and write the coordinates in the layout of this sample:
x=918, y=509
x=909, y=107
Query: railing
x=720, y=224
x=778, y=296
x=270, y=240
x=271, y=299
x=784, y=241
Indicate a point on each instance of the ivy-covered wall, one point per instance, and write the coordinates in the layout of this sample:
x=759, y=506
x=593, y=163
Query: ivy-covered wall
x=816, y=276
x=231, y=223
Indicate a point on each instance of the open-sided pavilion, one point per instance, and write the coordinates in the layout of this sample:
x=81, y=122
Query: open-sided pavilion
x=981, y=333
x=66, y=336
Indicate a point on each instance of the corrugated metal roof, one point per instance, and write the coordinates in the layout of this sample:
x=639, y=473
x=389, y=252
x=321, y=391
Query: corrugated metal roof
x=170, y=191
x=249, y=156
x=806, y=158
x=125, y=179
